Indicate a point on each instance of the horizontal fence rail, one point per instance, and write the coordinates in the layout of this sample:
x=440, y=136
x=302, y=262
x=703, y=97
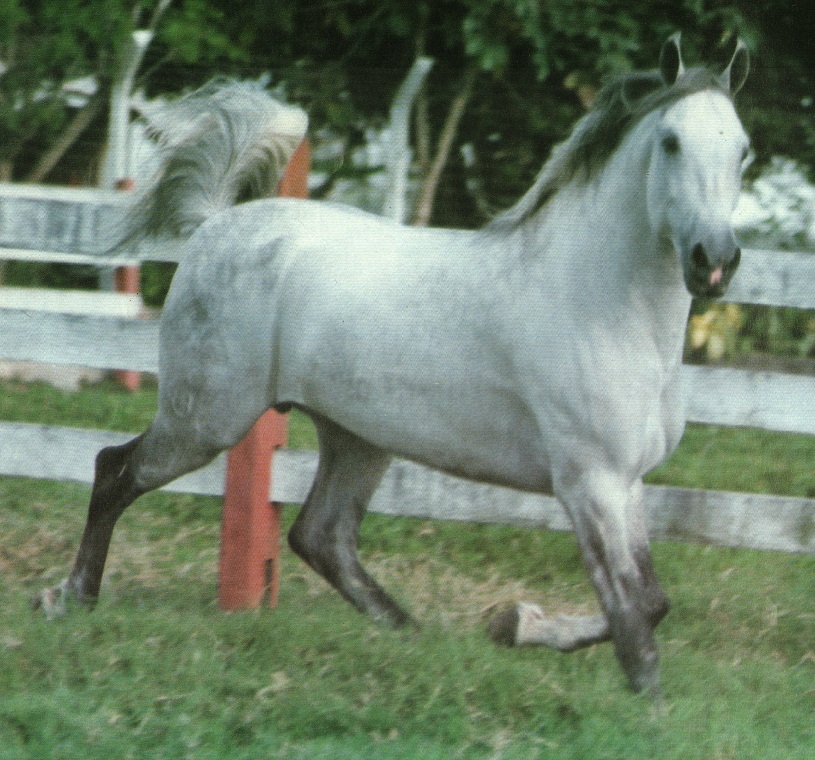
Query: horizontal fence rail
x=774, y=278
x=721, y=396
x=74, y=339
x=748, y=521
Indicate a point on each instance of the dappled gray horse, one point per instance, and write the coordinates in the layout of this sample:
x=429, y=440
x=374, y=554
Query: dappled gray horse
x=542, y=352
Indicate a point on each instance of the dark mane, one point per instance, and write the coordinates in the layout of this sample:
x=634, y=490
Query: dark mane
x=620, y=105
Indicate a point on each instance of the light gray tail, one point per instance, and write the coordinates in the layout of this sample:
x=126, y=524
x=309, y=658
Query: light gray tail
x=227, y=143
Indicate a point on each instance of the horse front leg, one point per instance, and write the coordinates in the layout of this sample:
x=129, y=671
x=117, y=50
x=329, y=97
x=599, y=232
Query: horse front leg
x=609, y=524
x=608, y=519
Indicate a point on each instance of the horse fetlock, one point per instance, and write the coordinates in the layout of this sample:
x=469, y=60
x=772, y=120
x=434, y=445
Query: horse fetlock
x=644, y=678
x=364, y=593
x=392, y=616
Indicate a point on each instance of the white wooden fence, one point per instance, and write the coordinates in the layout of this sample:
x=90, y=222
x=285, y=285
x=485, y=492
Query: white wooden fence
x=49, y=224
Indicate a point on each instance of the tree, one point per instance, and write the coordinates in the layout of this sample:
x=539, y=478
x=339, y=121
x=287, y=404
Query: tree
x=505, y=82
x=527, y=67
x=44, y=45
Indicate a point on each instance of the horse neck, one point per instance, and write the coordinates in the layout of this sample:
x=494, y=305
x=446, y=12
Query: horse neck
x=598, y=239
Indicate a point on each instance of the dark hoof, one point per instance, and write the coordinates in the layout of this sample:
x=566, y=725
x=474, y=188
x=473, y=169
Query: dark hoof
x=502, y=627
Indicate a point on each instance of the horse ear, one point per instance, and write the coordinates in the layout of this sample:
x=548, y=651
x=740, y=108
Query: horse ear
x=670, y=60
x=734, y=76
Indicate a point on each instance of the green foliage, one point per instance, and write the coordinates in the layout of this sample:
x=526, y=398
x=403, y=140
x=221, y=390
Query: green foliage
x=45, y=44
x=156, y=277
x=192, y=34
x=779, y=331
x=718, y=331
x=776, y=104
x=42, y=45
x=41, y=274
x=528, y=48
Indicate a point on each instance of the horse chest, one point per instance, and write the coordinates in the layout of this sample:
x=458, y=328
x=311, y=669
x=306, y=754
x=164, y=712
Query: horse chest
x=610, y=397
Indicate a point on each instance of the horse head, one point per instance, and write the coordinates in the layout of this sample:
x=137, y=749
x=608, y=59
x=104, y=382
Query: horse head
x=698, y=152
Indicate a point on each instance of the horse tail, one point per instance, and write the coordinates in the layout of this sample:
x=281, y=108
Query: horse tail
x=227, y=143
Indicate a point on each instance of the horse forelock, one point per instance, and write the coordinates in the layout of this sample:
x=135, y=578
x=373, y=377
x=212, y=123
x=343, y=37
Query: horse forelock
x=618, y=108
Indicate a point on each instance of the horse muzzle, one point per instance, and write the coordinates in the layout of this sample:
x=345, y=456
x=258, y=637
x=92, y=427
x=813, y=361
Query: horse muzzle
x=708, y=271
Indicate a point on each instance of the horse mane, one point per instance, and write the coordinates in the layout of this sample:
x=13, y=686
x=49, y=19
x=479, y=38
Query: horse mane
x=619, y=106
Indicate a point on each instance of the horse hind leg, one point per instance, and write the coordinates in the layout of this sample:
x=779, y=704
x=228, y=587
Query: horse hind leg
x=325, y=532
x=122, y=474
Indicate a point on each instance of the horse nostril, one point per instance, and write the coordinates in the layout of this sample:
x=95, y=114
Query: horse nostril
x=699, y=257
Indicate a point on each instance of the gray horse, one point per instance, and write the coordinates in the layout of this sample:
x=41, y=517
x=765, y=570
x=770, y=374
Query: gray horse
x=542, y=352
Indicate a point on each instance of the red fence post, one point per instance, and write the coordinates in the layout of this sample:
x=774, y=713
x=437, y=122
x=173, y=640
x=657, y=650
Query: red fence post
x=249, y=567
x=127, y=280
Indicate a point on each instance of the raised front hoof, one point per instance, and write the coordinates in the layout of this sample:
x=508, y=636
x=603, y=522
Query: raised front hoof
x=502, y=626
x=58, y=601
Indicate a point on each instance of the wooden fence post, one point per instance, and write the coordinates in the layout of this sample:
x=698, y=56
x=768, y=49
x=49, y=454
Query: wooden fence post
x=249, y=568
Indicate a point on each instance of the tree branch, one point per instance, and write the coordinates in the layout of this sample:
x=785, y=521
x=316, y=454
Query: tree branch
x=424, y=206
x=80, y=122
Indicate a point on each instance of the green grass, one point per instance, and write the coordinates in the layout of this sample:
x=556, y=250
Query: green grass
x=157, y=671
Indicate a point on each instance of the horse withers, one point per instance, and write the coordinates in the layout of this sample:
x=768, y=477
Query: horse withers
x=542, y=352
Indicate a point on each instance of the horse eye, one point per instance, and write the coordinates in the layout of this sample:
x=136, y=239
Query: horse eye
x=670, y=144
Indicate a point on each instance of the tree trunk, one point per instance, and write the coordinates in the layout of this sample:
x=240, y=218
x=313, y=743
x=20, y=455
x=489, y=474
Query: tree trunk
x=424, y=206
x=399, y=154
x=422, y=133
x=81, y=121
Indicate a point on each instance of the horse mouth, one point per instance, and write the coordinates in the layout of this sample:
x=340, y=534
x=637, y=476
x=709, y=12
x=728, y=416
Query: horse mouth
x=704, y=289
x=711, y=281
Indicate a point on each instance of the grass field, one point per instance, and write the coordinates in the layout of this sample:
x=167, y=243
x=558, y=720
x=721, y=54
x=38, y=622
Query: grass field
x=157, y=671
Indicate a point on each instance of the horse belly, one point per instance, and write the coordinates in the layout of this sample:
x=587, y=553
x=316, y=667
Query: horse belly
x=464, y=428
